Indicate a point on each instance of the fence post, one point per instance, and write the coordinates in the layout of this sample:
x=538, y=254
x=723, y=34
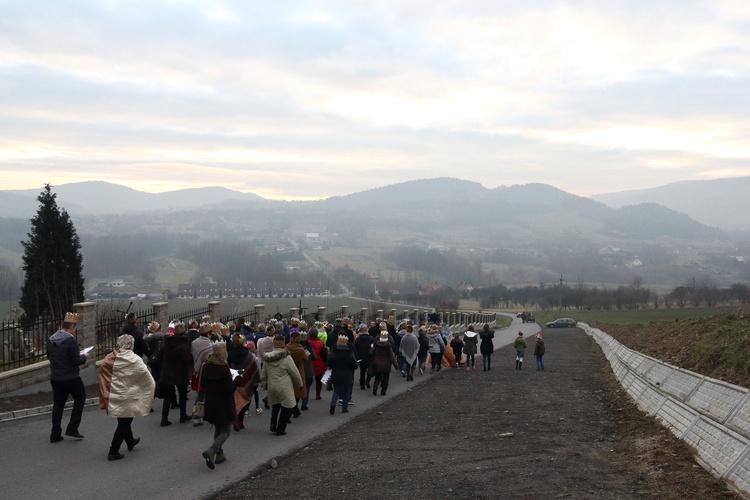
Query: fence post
x=213, y=309
x=161, y=314
x=86, y=331
x=321, y=313
x=260, y=313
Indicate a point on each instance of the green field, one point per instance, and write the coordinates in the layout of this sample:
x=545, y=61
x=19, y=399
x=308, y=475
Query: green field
x=636, y=316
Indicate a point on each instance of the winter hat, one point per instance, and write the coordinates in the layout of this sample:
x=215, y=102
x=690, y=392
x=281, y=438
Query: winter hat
x=125, y=342
x=153, y=327
x=278, y=341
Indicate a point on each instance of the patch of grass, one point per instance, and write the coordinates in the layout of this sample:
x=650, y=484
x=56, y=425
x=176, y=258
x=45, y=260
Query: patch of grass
x=717, y=346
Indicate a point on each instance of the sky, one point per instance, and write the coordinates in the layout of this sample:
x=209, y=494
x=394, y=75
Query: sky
x=296, y=100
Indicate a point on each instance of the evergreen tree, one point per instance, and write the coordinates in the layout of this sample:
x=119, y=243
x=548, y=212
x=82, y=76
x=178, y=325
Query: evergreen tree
x=52, y=262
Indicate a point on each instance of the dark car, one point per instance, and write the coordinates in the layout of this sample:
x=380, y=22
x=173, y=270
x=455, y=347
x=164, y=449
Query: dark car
x=562, y=323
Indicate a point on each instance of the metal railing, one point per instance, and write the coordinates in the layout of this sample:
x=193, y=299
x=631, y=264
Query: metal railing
x=109, y=326
x=24, y=346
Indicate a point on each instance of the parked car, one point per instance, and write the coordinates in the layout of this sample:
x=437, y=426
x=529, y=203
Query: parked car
x=562, y=323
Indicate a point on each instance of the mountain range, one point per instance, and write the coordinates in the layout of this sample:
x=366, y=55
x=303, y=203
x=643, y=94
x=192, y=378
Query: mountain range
x=542, y=229
x=719, y=203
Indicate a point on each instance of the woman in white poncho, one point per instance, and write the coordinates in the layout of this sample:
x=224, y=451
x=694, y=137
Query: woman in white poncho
x=126, y=390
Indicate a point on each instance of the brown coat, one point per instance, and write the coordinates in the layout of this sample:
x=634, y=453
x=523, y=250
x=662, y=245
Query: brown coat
x=299, y=356
x=176, y=360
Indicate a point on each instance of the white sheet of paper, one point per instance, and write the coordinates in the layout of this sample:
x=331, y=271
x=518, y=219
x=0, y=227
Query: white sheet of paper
x=235, y=373
x=86, y=350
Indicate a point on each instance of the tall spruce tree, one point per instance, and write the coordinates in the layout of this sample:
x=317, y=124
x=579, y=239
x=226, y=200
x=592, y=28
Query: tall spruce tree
x=52, y=262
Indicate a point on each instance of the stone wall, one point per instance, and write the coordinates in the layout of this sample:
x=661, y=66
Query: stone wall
x=712, y=416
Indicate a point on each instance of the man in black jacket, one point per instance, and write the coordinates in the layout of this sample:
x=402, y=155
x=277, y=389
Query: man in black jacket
x=140, y=347
x=362, y=345
x=65, y=357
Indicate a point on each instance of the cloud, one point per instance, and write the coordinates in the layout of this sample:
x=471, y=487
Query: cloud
x=306, y=99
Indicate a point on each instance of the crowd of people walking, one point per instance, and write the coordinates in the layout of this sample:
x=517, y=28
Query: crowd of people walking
x=228, y=367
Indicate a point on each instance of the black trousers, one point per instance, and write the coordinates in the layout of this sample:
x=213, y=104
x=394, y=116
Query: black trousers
x=123, y=433
x=279, y=418
x=61, y=389
x=167, y=405
x=363, y=378
x=382, y=380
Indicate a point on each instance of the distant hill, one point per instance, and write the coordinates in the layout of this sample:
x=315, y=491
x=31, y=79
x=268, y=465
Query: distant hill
x=107, y=198
x=718, y=203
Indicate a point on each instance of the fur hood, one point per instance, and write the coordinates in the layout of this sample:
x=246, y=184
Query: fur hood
x=277, y=355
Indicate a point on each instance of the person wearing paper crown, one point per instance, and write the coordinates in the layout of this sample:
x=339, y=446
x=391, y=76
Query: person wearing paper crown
x=280, y=377
x=342, y=362
x=216, y=380
x=200, y=349
x=65, y=356
x=176, y=360
x=383, y=358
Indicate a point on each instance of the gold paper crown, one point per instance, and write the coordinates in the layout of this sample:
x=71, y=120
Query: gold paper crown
x=72, y=317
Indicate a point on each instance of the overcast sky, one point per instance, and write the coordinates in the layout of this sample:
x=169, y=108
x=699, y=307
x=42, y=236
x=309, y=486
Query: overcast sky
x=301, y=100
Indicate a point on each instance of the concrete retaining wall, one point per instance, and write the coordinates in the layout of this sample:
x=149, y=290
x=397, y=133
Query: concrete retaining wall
x=713, y=417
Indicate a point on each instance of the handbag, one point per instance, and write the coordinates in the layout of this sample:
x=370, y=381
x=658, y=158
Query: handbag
x=199, y=410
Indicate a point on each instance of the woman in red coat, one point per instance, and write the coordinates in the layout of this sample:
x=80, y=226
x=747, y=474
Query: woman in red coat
x=320, y=363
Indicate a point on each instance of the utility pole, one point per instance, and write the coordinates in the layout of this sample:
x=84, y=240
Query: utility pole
x=561, y=293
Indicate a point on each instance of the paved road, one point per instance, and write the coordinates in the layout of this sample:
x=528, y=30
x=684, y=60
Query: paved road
x=167, y=463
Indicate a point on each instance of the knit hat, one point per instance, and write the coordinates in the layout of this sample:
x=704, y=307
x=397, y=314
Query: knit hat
x=125, y=341
x=153, y=327
x=279, y=341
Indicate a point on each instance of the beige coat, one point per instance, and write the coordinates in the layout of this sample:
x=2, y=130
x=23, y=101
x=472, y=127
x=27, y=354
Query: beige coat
x=126, y=387
x=280, y=377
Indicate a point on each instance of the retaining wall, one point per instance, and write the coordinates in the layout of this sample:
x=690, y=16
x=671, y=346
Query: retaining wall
x=712, y=416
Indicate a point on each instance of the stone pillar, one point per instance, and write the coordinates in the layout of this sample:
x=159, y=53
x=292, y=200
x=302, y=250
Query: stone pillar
x=260, y=313
x=86, y=331
x=379, y=315
x=322, y=313
x=344, y=312
x=294, y=312
x=214, y=309
x=363, y=313
x=161, y=314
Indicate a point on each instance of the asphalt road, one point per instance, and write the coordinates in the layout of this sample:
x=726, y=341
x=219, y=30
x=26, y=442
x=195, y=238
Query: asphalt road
x=167, y=463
